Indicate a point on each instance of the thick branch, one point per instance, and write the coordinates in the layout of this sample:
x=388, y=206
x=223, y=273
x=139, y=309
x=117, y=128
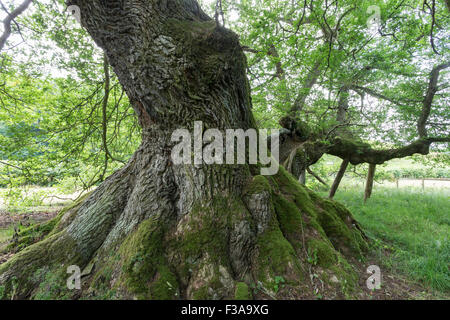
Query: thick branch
x=343, y=104
x=9, y=19
x=316, y=176
x=310, y=81
x=428, y=100
x=375, y=94
x=358, y=152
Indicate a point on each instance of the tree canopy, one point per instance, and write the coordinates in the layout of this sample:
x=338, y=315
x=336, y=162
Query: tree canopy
x=366, y=82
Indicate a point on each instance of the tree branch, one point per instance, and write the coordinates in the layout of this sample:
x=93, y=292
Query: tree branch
x=428, y=100
x=9, y=19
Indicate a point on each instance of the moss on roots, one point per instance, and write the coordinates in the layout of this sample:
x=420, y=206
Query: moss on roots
x=40, y=231
x=242, y=292
x=305, y=237
x=146, y=271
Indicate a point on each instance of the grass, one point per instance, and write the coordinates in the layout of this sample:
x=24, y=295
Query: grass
x=6, y=234
x=415, y=226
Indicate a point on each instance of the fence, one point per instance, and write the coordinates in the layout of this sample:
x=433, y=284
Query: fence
x=435, y=182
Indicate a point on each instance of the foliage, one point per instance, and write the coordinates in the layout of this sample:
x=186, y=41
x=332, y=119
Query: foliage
x=51, y=106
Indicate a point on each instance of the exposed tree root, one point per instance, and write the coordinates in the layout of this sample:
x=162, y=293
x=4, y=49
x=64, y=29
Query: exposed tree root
x=140, y=236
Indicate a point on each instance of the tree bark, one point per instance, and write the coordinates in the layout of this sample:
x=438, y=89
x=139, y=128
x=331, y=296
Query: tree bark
x=316, y=177
x=338, y=178
x=158, y=230
x=9, y=19
x=369, y=182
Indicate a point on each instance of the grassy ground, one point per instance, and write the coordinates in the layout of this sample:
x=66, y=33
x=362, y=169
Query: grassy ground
x=412, y=226
x=6, y=233
x=410, y=229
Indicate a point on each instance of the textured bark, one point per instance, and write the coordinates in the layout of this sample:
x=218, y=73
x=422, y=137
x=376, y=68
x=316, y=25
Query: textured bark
x=155, y=230
x=341, y=115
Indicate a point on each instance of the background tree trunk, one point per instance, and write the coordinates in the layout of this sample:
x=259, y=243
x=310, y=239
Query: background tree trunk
x=302, y=178
x=338, y=178
x=155, y=230
x=369, y=182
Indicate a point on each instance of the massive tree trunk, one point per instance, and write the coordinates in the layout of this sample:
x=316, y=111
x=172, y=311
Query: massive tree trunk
x=158, y=230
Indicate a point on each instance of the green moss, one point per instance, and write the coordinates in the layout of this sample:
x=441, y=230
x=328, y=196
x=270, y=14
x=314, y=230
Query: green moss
x=276, y=256
x=58, y=250
x=32, y=234
x=275, y=251
x=52, y=284
x=258, y=184
x=348, y=145
x=242, y=292
x=146, y=271
x=295, y=195
x=325, y=225
x=165, y=286
x=209, y=237
x=289, y=216
x=321, y=253
x=40, y=231
x=337, y=224
x=201, y=294
x=329, y=218
x=291, y=221
x=348, y=278
x=290, y=187
x=208, y=226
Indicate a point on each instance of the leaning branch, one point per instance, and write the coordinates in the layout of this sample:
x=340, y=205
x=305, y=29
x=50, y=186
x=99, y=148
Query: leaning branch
x=9, y=19
x=316, y=176
x=310, y=81
x=428, y=100
x=374, y=94
x=339, y=176
x=358, y=152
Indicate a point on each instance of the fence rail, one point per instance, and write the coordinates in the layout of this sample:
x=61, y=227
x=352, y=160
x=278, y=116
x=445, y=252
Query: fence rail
x=422, y=180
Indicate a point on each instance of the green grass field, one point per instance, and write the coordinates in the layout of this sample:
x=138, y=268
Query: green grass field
x=415, y=225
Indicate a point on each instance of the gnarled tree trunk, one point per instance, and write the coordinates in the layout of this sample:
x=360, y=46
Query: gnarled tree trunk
x=157, y=230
